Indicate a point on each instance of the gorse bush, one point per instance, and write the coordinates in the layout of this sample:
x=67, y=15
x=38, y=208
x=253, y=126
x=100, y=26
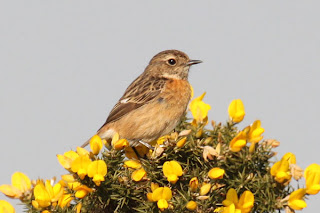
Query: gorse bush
x=199, y=167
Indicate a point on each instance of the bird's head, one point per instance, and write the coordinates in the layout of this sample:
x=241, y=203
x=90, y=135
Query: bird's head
x=172, y=64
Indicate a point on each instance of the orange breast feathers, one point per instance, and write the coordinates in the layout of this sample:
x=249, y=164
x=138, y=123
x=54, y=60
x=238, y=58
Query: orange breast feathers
x=177, y=92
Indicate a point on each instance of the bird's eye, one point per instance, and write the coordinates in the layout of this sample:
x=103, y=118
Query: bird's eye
x=172, y=61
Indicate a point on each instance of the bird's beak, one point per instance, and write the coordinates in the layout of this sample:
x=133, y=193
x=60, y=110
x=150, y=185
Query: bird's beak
x=192, y=62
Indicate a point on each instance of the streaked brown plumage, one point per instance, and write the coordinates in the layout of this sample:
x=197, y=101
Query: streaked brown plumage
x=154, y=103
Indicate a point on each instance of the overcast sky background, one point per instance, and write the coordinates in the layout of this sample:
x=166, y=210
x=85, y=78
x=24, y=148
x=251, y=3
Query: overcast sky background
x=64, y=64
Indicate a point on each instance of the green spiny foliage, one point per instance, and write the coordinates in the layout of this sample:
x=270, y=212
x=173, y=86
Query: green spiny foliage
x=243, y=171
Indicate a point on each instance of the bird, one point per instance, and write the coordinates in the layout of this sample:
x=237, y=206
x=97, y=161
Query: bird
x=154, y=103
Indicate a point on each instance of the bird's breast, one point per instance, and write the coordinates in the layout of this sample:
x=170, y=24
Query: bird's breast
x=176, y=92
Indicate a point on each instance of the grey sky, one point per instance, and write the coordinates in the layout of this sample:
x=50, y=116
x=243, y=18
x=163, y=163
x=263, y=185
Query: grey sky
x=65, y=64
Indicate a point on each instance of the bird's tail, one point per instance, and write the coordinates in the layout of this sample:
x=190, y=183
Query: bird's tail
x=85, y=143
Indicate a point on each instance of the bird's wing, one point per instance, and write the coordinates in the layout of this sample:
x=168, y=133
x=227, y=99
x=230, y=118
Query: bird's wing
x=140, y=92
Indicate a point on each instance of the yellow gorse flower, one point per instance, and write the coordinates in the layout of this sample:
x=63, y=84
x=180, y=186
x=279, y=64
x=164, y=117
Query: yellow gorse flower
x=255, y=134
x=312, y=176
x=246, y=202
x=231, y=198
x=230, y=209
x=236, y=111
x=172, y=170
x=118, y=143
x=281, y=169
x=20, y=185
x=82, y=191
x=96, y=144
x=78, y=207
x=199, y=109
x=296, y=201
x=238, y=142
x=251, y=134
x=97, y=170
x=65, y=200
x=138, y=174
x=121, y=144
x=290, y=157
x=80, y=166
x=216, y=173
x=153, y=187
x=67, y=158
x=45, y=194
x=192, y=92
x=191, y=205
x=68, y=178
x=243, y=205
x=70, y=182
x=162, y=195
x=295, y=170
x=181, y=142
x=193, y=184
x=205, y=188
x=134, y=164
x=162, y=139
x=82, y=151
x=6, y=207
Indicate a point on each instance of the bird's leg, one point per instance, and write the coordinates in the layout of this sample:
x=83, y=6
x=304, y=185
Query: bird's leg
x=136, y=152
x=147, y=145
x=133, y=146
